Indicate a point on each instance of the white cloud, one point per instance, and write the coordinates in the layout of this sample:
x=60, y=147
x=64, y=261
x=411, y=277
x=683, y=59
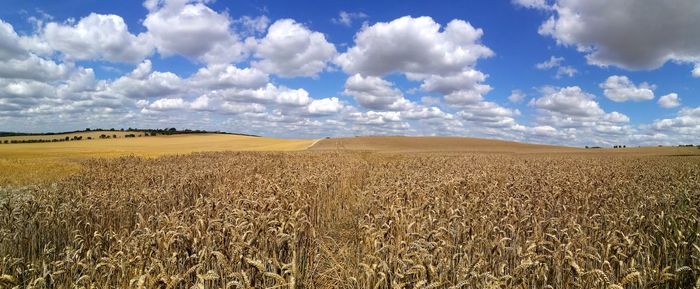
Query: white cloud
x=466, y=80
x=670, y=100
x=650, y=34
x=553, y=61
x=685, y=127
x=220, y=76
x=569, y=101
x=489, y=114
x=375, y=93
x=253, y=25
x=556, y=62
x=414, y=45
x=346, y=18
x=10, y=47
x=192, y=29
x=696, y=71
x=33, y=67
x=290, y=49
x=516, y=96
x=144, y=83
x=168, y=104
x=540, y=4
x=619, y=89
x=325, y=106
x=97, y=37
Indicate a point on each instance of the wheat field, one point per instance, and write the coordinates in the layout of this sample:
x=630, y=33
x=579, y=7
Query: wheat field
x=358, y=219
x=29, y=163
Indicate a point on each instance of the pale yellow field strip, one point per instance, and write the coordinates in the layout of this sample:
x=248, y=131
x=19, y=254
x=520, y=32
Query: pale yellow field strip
x=23, y=163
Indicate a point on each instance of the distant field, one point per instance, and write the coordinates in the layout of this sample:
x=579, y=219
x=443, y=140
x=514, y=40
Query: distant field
x=85, y=135
x=462, y=144
x=433, y=144
x=23, y=163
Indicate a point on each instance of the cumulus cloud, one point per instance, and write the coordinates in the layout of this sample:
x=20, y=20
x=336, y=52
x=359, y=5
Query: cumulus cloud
x=569, y=101
x=142, y=83
x=670, y=100
x=97, y=37
x=221, y=76
x=620, y=88
x=650, y=34
x=489, y=114
x=10, y=47
x=414, y=45
x=290, y=49
x=346, y=18
x=516, y=96
x=192, y=29
x=685, y=126
x=325, y=106
x=375, y=93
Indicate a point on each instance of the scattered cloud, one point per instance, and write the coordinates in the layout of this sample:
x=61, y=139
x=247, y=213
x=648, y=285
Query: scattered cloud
x=516, y=96
x=620, y=88
x=556, y=62
x=670, y=100
x=346, y=18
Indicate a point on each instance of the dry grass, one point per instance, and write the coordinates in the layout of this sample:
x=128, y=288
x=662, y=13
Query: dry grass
x=359, y=220
x=36, y=162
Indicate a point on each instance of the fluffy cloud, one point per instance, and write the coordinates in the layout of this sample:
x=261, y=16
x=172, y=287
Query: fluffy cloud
x=97, y=37
x=168, y=104
x=192, y=29
x=414, y=45
x=516, y=96
x=33, y=67
x=569, y=101
x=142, y=83
x=670, y=100
x=10, y=47
x=325, y=106
x=290, y=49
x=221, y=76
x=686, y=125
x=650, y=34
x=620, y=88
x=489, y=114
x=375, y=93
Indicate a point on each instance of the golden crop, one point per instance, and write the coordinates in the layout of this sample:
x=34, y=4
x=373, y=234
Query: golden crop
x=358, y=220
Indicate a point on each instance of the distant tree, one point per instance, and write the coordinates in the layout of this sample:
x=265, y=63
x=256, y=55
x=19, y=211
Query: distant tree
x=6, y=141
x=67, y=138
x=586, y=146
x=172, y=129
x=111, y=129
x=114, y=136
x=87, y=129
x=624, y=146
x=89, y=137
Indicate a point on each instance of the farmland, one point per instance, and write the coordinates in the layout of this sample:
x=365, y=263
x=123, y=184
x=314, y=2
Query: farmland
x=356, y=213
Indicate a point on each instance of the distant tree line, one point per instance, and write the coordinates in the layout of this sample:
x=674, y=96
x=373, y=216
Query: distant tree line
x=146, y=132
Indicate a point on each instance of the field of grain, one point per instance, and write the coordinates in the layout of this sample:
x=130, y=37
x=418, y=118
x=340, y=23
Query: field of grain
x=34, y=162
x=433, y=144
x=346, y=219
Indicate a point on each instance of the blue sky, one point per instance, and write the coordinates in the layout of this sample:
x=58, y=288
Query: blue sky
x=525, y=70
